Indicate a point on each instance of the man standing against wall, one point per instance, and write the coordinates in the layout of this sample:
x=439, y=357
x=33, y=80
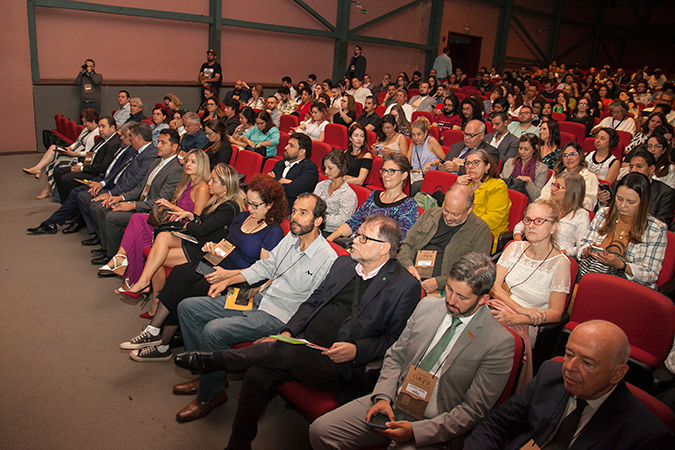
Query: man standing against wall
x=210, y=73
x=443, y=65
x=90, y=86
x=357, y=65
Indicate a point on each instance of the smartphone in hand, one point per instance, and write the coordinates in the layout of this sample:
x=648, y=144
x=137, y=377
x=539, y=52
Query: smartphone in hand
x=378, y=422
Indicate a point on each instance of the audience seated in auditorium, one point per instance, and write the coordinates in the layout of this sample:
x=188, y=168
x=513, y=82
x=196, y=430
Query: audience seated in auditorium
x=193, y=137
x=240, y=93
x=159, y=122
x=449, y=232
x=424, y=153
x=524, y=123
x=341, y=201
x=402, y=123
x=618, y=120
x=392, y=202
x=474, y=133
x=389, y=138
x=369, y=118
x=296, y=173
x=632, y=242
x=601, y=161
x=219, y=149
x=401, y=99
x=500, y=138
x=359, y=92
x=549, y=133
x=583, y=401
x=525, y=172
x=123, y=111
x=231, y=118
x=423, y=101
x=315, y=126
x=136, y=110
x=346, y=114
x=262, y=138
x=455, y=338
x=213, y=111
x=448, y=118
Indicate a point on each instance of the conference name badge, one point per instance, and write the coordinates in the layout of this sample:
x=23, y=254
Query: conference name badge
x=416, y=392
x=426, y=259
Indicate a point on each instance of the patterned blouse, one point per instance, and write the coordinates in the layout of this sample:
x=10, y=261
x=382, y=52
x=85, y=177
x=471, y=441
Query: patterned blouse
x=405, y=212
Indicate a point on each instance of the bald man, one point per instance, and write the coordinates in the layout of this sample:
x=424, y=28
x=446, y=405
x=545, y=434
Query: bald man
x=447, y=233
x=474, y=133
x=578, y=404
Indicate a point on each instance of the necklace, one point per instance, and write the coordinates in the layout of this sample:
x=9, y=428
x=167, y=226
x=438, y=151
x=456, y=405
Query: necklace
x=533, y=272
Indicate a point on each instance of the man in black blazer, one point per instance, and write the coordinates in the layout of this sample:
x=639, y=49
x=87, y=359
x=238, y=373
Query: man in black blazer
x=501, y=139
x=113, y=214
x=296, y=173
x=474, y=132
x=357, y=312
x=661, y=196
x=579, y=404
x=129, y=176
x=104, y=152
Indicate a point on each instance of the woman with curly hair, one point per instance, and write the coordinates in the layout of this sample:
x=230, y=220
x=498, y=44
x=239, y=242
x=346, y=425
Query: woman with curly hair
x=253, y=233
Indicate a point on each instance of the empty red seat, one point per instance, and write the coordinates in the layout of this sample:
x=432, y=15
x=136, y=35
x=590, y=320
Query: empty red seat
x=430, y=116
x=319, y=150
x=574, y=128
x=287, y=121
x=335, y=135
x=560, y=117
x=566, y=137
x=248, y=163
x=435, y=179
x=452, y=136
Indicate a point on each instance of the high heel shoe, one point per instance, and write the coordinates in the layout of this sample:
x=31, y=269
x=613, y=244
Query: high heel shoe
x=135, y=295
x=32, y=172
x=146, y=315
x=116, y=269
x=44, y=194
x=124, y=288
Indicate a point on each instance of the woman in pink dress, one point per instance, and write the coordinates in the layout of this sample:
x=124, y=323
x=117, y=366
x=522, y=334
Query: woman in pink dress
x=192, y=194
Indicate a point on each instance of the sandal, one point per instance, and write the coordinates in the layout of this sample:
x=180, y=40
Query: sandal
x=107, y=271
x=31, y=172
x=146, y=290
x=124, y=288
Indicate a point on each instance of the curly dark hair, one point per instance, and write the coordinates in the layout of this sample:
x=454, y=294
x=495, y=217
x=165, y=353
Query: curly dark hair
x=270, y=192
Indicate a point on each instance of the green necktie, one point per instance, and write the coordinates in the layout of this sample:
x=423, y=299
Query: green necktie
x=432, y=357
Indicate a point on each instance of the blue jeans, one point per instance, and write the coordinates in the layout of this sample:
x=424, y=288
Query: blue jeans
x=207, y=326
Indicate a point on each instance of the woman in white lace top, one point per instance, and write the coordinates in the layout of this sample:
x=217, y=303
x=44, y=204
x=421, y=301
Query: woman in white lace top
x=533, y=279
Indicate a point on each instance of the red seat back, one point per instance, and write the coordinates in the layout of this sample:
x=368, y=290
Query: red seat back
x=435, y=178
x=618, y=151
x=589, y=145
x=413, y=92
x=560, y=117
x=335, y=135
x=576, y=129
x=358, y=108
x=341, y=251
x=518, y=204
x=233, y=158
x=283, y=142
x=452, y=137
x=601, y=296
x=371, y=138
x=433, y=132
x=654, y=406
x=361, y=192
x=72, y=130
x=249, y=163
x=430, y=116
x=286, y=121
x=286, y=226
x=380, y=98
x=269, y=165
x=566, y=137
x=374, y=178
x=515, y=368
x=380, y=110
x=319, y=150
x=668, y=268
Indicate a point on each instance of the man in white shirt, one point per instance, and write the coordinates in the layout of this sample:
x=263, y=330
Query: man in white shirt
x=501, y=139
x=359, y=92
x=400, y=100
x=124, y=111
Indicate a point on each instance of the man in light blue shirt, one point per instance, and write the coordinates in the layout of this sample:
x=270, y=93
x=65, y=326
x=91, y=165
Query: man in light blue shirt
x=443, y=65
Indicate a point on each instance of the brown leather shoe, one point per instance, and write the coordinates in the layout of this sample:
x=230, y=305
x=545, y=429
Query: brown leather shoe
x=196, y=409
x=186, y=388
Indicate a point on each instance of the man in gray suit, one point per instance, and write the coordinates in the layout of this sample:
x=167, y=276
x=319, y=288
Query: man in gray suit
x=501, y=139
x=455, y=338
x=474, y=133
x=423, y=101
x=113, y=214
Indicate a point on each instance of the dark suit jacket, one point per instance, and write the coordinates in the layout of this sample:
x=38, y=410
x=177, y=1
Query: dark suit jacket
x=304, y=176
x=621, y=422
x=661, y=200
x=457, y=147
x=508, y=146
x=383, y=311
x=128, y=153
x=104, y=156
x=134, y=171
x=162, y=186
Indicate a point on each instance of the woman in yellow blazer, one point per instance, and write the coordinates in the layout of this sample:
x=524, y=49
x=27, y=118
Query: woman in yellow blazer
x=491, y=202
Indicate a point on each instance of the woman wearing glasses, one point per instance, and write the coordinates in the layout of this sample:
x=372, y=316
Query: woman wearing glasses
x=533, y=279
x=214, y=111
x=227, y=199
x=624, y=240
x=263, y=138
x=392, y=202
x=568, y=192
x=491, y=202
x=527, y=166
x=220, y=149
x=571, y=160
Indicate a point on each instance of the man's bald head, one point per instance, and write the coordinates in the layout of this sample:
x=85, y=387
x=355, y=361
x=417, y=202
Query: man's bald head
x=458, y=204
x=474, y=132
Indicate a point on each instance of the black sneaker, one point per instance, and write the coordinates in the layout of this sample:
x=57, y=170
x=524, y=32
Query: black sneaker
x=145, y=339
x=150, y=354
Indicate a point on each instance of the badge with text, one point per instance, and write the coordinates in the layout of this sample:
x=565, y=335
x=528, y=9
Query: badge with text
x=426, y=259
x=458, y=161
x=219, y=252
x=416, y=392
x=181, y=156
x=88, y=158
x=530, y=446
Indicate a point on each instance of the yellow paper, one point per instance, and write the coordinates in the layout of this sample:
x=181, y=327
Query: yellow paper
x=231, y=298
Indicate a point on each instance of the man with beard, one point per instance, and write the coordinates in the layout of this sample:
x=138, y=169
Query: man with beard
x=501, y=139
x=239, y=93
x=369, y=117
x=210, y=73
x=356, y=313
x=448, y=118
x=296, y=173
x=423, y=101
x=357, y=65
x=458, y=342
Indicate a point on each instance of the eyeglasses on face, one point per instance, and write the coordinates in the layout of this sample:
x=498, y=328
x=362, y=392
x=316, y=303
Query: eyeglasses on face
x=363, y=239
x=570, y=155
x=475, y=163
x=557, y=186
x=653, y=146
x=253, y=205
x=471, y=135
x=537, y=221
x=389, y=172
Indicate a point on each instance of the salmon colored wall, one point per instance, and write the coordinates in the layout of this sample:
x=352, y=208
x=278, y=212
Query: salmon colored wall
x=16, y=86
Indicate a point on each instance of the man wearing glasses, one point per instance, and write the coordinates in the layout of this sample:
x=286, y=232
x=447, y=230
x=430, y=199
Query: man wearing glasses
x=357, y=312
x=524, y=124
x=474, y=133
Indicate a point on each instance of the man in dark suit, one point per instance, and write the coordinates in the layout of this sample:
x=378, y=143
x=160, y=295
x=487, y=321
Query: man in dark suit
x=661, y=196
x=296, y=173
x=128, y=177
x=501, y=139
x=578, y=404
x=356, y=313
x=70, y=207
x=474, y=132
x=457, y=340
x=113, y=214
x=104, y=152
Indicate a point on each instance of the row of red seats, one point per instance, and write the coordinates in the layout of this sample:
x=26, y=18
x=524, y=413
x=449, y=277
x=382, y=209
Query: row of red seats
x=66, y=129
